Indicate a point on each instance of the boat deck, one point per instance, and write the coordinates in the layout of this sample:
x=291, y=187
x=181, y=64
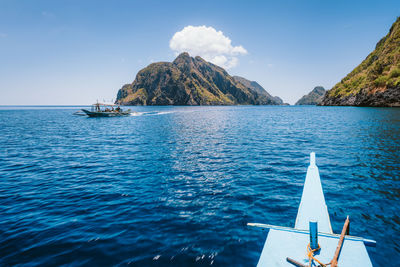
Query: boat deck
x=312, y=205
x=283, y=242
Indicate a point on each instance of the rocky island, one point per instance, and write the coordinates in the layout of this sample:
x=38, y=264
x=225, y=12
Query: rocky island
x=312, y=98
x=376, y=81
x=192, y=81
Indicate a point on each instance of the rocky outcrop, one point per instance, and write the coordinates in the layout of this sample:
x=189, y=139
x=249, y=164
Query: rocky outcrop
x=312, y=98
x=279, y=100
x=376, y=81
x=389, y=97
x=189, y=81
x=272, y=100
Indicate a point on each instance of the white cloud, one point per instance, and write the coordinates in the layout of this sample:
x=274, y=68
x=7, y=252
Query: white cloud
x=210, y=44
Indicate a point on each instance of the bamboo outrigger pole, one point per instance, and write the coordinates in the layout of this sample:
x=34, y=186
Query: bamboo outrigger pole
x=334, y=262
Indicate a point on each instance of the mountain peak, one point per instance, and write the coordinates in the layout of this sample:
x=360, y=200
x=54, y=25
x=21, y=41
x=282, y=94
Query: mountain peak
x=189, y=81
x=319, y=89
x=183, y=59
x=183, y=56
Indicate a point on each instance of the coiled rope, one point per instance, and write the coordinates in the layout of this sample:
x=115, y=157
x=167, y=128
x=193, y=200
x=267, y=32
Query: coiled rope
x=310, y=252
x=310, y=255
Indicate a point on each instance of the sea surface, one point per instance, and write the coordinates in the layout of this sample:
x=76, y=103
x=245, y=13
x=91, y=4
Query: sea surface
x=175, y=186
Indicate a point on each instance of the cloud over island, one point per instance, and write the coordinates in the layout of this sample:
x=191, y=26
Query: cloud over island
x=207, y=42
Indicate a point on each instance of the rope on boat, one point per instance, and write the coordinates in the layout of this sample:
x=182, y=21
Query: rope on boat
x=310, y=252
x=310, y=255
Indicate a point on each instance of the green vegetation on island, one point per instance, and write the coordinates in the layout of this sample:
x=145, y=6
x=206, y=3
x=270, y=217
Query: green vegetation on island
x=312, y=98
x=376, y=81
x=255, y=86
x=191, y=81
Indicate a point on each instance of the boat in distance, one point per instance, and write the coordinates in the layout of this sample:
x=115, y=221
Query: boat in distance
x=105, y=110
x=312, y=242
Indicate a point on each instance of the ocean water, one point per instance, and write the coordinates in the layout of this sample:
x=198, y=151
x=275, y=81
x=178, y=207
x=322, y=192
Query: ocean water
x=175, y=186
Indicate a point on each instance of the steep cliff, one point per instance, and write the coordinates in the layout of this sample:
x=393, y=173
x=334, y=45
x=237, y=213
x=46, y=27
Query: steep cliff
x=376, y=81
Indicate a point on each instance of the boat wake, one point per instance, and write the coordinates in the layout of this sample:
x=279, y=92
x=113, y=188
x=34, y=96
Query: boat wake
x=152, y=113
x=134, y=114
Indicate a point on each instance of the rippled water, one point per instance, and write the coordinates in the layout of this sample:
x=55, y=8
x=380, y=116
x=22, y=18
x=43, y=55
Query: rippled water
x=177, y=185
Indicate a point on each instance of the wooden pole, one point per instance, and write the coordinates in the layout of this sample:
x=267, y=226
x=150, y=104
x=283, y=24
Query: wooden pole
x=296, y=263
x=334, y=262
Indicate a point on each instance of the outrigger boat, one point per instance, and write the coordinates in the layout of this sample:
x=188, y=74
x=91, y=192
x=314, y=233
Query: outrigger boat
x=106, y=110
x=312, y=242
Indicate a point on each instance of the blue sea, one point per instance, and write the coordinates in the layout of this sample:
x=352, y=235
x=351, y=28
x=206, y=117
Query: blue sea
x=175, y=186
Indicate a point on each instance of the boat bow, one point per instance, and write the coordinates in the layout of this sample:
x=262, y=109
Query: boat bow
x=284, y=242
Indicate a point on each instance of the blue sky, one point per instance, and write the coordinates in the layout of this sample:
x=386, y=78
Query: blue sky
x=75, y=52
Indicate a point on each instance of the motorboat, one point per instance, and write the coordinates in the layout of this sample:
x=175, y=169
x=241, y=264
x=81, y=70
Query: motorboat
x=106, y=110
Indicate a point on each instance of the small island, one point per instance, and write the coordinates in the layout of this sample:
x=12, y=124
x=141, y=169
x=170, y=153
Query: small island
x=192, y=81
x=313, y=98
